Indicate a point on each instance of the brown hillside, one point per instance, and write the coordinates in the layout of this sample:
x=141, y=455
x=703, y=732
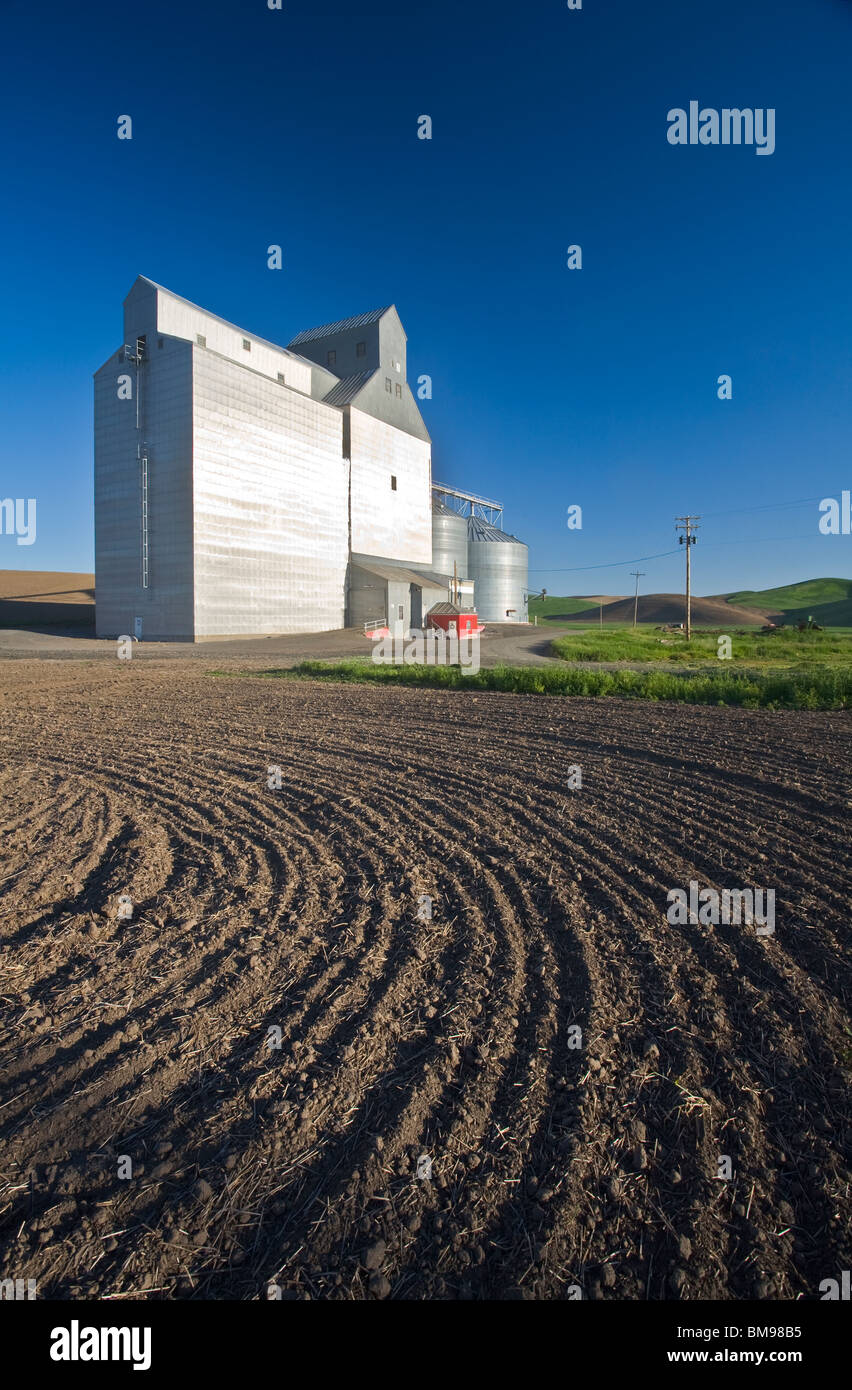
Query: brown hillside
x=669, y=608
x=45, y=598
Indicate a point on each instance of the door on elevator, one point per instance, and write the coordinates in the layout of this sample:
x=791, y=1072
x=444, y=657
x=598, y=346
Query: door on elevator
x=416, y=607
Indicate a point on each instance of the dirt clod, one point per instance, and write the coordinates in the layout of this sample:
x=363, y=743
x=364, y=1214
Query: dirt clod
x=296, y=909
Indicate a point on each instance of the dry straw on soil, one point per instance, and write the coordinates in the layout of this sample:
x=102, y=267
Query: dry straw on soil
x=297, y=908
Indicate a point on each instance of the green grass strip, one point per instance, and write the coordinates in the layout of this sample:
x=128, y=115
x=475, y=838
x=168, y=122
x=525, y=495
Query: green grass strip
x=819, y=689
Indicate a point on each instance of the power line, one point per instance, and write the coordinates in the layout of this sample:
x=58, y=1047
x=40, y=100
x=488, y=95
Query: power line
x=768, y=507
x=760, y=540
x=731, y=511
x=617, y=564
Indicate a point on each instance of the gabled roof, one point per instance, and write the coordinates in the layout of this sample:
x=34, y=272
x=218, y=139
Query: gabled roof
x=329, y=330
x=262, y=342
x=450, y=610
x=347, y=389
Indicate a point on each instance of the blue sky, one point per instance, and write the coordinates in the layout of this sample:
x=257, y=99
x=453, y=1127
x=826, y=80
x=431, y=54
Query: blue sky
x=552, y=387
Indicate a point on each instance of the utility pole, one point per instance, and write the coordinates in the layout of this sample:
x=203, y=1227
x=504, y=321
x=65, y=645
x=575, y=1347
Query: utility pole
x=638, y=574
x=688, y=525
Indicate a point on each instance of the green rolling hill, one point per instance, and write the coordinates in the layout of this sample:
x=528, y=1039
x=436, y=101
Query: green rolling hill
x=827, y=601
x=551, y=609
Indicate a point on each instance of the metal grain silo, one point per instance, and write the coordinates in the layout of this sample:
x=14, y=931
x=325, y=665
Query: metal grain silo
x=449, y=540
x=497, y=564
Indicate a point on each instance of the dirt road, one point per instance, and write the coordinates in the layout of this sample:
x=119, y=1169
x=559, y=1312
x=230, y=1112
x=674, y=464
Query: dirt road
x=513, y=644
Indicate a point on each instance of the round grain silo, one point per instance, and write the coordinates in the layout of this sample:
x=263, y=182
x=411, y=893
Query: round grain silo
x=449, y=540
x=498, y=566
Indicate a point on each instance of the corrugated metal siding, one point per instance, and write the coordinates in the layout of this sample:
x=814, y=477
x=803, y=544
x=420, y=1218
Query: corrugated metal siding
x=271, y=498
x=395, y=524
x=166, y=606
x=498, y=565
x=449, y=540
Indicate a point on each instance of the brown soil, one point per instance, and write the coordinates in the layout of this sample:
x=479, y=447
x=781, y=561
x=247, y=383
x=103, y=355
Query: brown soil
x=297, y=908
x=42, y=598
x=669, y=608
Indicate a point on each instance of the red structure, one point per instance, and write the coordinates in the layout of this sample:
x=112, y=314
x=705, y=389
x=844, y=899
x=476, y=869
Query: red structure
x=448, y=615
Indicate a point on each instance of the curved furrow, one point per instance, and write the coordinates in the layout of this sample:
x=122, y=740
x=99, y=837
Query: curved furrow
x=449, y=1039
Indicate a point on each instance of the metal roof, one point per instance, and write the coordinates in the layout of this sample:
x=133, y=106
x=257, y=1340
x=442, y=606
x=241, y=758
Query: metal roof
x=479, y=530
x=399, y=574
x=446, y=608
x=246, y=332
x=329, y=330
x=347, y=388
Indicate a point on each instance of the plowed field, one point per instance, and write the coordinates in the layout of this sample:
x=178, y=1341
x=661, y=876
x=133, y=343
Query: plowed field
x=157, y=1142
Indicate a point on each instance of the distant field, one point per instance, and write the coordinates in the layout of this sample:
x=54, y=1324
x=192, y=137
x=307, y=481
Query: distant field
x=31, y=586
x=553, y=609
x=653, y=609
x=827, y=601
x=46, y=598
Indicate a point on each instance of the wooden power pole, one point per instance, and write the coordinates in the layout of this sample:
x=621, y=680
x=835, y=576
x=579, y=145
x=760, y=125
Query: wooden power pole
x=688, y=525
x=638, y=574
